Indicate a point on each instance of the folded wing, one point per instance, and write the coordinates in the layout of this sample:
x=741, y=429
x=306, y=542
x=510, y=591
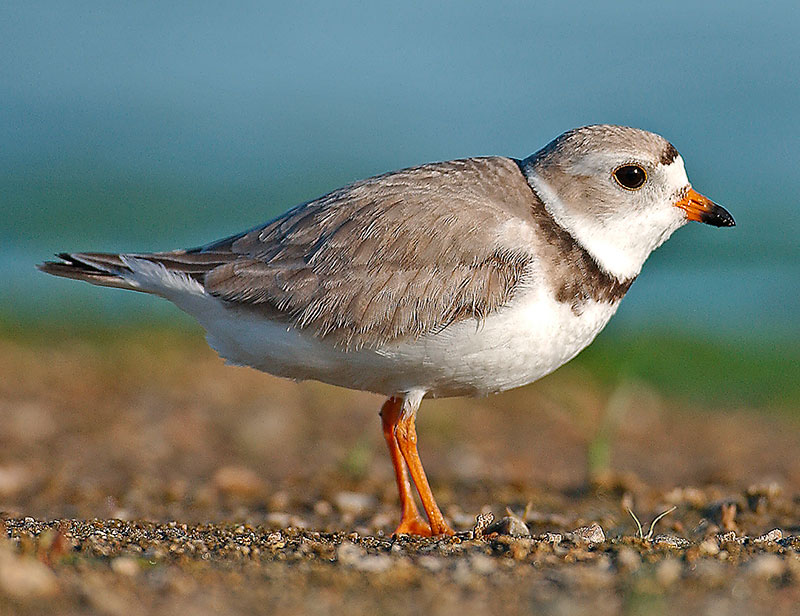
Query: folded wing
x=399, y=255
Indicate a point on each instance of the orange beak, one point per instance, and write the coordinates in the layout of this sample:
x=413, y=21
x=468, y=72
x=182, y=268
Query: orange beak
x=703, y=209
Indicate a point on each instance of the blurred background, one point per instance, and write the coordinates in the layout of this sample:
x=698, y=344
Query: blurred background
x=144, y=126
x=136, y=126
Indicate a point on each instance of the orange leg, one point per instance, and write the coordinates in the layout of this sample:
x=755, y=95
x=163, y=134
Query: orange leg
x=399, y=424
x=411, y=523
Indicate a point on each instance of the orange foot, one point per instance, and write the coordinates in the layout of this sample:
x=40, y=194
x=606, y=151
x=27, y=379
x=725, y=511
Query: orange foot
x=419, y=527
x=413, y=526
x=443, y=530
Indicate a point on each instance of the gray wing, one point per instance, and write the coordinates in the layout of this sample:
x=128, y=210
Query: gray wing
x=394, y=256
x=399, y=255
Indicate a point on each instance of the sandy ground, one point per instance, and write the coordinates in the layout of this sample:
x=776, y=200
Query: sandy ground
x=140, y=475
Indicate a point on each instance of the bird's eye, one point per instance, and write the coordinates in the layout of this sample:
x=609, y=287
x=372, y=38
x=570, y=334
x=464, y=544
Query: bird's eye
x=630, y=177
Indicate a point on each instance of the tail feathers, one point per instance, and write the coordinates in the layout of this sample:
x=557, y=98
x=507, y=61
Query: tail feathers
x=105, y=270
x=113, y=270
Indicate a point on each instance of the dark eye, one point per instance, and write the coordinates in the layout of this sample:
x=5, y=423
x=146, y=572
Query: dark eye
x=630, y=176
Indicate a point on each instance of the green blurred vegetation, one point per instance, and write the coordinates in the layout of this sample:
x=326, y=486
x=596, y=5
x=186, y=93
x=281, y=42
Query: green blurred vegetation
x=762, y=372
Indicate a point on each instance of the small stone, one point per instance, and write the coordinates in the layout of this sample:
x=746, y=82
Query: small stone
x=125, y=565
x=588, y=534
x=278, y=518
x=285, y=520
x=13, y=479
x=710, y=573
x=349, y=553
x=353, y=503
x=29, y=422
x=279, y=501
x=237, y=481
x=482, y=564
x=352, y=555
x=375, y=563
x=766, y=566
x=24, y=577
x=709, y=547
x=759, y=497
x=510, y=525
x=383, y=520
x=628, y=559
x=554, y=538
x=671, y=541
x=689, y=495
x=772, y=536
x=323, y=508
x=668, y=572
x=433, y=564
x=463, y=575
x=520, y=548
x=482, y=522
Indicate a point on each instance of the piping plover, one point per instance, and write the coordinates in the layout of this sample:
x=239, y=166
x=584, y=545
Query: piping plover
x=456, y=278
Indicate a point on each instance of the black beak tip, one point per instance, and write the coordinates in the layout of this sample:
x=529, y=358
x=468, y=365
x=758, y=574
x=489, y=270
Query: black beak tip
x=718, y=216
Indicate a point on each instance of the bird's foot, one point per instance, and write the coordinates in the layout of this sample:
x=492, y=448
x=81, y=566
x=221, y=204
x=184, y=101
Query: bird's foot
x=442, y=529
x=419, y=527
x=413, y=526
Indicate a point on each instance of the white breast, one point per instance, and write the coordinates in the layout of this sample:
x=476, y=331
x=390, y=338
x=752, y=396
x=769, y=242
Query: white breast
x=512, y=347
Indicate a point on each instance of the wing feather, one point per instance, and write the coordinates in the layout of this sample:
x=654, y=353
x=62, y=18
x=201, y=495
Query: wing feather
x=399, y=255
x=391, y=257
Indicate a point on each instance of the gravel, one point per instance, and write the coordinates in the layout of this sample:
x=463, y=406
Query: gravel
x=140, y=476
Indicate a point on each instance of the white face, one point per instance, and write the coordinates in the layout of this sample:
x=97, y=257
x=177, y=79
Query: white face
x=619, y=225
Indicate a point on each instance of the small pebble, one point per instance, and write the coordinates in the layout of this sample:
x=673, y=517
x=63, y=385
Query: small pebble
x=463, y=574
x=628, y=559
x=13, y=479
x=349, y=553
x=709, y=547
x=125, y=565
x=668, y=572
x=323, y=508
x=353, y=503
x=509, y=525
x=671, y=541
x=772, y=536
x=277, y=518
x=352, y=555
x=710, y=573
x=433, y=564
x=482, y=564
x=554, y=538
x=237, y=481
x=588, y=534
x=482, y=522
x=766, y=566
x=24, y=577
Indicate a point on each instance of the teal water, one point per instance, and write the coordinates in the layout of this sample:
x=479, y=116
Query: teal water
x=141, y=127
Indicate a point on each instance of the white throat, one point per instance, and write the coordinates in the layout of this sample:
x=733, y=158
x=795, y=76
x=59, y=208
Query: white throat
x=620, y=247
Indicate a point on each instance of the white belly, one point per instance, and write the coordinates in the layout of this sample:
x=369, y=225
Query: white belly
x=514, y=346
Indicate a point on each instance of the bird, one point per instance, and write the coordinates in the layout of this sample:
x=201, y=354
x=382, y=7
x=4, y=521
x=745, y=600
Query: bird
x=458, y=278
